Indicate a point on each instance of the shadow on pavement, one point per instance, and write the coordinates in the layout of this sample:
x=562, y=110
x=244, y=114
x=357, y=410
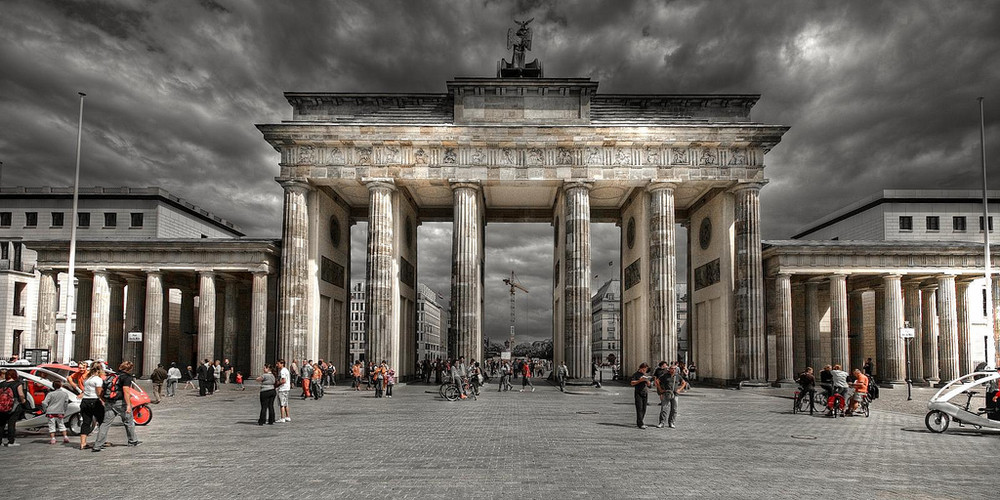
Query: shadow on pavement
x=612, y=424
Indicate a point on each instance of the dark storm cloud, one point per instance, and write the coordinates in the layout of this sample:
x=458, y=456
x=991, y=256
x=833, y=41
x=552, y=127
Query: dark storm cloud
x=878, y=95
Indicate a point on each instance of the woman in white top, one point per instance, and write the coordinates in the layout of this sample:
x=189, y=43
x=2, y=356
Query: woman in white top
x=91, y=408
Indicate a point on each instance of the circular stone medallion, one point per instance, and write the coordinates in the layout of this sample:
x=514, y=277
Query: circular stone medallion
x=335, y=231
x=705, y=233
x=630, y=233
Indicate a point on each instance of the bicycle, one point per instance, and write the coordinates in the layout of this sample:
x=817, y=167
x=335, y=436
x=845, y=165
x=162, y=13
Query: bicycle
x=801, y=403
x=864, y=406
x=449, y=392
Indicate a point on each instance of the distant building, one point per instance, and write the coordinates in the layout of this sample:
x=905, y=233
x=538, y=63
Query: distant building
x=357, y=321
x=606, y=321
x=103, y=214
x=430, y=324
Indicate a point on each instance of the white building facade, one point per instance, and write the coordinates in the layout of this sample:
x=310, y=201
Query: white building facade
x=430, y=324
x=357, y=339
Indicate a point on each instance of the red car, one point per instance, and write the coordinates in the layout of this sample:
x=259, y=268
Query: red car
x=141, y=411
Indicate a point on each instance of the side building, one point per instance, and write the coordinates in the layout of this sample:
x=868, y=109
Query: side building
x=430, y=324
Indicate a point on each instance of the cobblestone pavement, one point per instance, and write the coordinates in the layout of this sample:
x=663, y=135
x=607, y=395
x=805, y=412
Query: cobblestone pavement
x=545, y=444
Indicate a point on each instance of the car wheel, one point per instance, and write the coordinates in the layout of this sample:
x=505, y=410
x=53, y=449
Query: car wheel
x=142, y=415
x=74, y=424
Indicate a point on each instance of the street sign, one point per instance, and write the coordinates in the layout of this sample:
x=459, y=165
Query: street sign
x=135, y=336
x=505, y=355
x=907, y=333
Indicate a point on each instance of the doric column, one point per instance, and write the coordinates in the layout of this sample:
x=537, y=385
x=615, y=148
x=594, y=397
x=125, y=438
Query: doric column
x=895, y=362
x=81, y=344
x=947, y=328
x=783, y=329
x=46, y=337
x=100, y=310
x=293, y=291
x=996, y=319
x=751, y=343
x=135, y=318
x=466, y=269
x=379, y=273
x=814, y=354
x=116, y=323
x=839, y=349
x=880, y=370
x=856, y=335
x=663, y=273
x=187, y=313
x=206, y=315
x=258, y=322
x=153, y=335
x=578, y=321
x=929, y=343
x=229, y=327
x=912, y=315
x=962, y=305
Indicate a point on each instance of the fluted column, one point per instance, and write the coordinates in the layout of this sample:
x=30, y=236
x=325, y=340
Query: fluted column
x=293, y=291
x=206, y=315
x=895, y=363
x=100, y=310
x=856, y=335
x=783, y=329
x=578, y=321
x=929, y=343
x=663, y=273
x=135, y=318
x=751, y=344
x=947, y=328
x=996, y=319
x=912, y=315
x=46, y=337
x=258, y=322
x=880, y=370
x=153, y=336
x=962, y=305
x=466, y=270
x=380, y=272
x=116, y=323
x=839, y=349
x=84, y=298
x=814, y=353
x=229, y=319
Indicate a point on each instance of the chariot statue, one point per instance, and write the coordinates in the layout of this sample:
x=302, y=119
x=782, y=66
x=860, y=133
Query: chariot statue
x=519, y=41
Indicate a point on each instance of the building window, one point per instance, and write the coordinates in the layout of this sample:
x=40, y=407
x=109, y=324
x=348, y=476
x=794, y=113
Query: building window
x=933, y=223
x=57, y=219
x=19, y=298
x=905, y=223
x=83, y=220
x=110, y=219
x=958, y=223
x=4, y=219
x=981, y=223
x=30, y=219
x=137, y=219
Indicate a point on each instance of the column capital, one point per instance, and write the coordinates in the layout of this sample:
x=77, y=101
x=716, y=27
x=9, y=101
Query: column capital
x=455, y=184
x=892, y=277
x=259, y=273
x=379, y=183
x=783, y=276
x=294, y=184
x=156, y=272
x=754, y=186
x=99, y=272
x=46, y=270
x=206, y=274
x=838, y=277
x=577, y=184
x=659, y=185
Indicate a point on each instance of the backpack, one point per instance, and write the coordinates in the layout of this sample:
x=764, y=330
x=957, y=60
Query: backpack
x=872, y=390
x=6, y=398
x=112, y=389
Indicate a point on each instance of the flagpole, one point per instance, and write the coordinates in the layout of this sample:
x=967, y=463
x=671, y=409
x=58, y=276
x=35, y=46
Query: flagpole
x=67, y=347
x=988, y=273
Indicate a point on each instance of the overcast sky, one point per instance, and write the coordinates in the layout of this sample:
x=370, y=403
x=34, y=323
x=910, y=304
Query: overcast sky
x=878, y=95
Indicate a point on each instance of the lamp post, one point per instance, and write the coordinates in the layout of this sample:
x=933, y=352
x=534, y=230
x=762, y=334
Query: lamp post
x=67, y=348
x=986, y=241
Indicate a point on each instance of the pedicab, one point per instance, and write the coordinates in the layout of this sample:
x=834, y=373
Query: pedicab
x=33, y=417
x=142, y=414
x=942, y=410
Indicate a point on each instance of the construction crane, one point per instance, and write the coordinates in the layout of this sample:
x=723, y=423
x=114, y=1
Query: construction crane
x=514, y=285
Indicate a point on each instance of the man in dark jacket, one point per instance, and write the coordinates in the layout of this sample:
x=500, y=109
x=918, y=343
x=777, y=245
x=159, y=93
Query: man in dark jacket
x=206, y=378
x=158, y=376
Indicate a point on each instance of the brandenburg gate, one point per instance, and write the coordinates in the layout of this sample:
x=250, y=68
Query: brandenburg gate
x=526, y=149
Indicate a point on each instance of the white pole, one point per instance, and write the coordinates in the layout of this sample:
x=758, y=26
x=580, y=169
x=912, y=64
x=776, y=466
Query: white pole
x=67, y=347
x=986, y=242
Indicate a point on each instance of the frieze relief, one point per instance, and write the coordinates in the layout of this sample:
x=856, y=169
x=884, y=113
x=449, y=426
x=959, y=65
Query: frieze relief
x=638, y=156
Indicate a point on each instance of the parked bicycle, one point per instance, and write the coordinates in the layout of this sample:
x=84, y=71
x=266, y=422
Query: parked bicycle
x=450, y=392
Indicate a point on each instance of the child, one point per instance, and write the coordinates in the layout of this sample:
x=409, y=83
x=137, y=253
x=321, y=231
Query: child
x=239, y=381
x=54, y=405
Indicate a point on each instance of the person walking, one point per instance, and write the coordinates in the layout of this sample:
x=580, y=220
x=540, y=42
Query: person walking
x=282, y=386
x=356, y=375
x=526, y=375
x=117, y=395
x=457, y=373
x=267, y=395
x=227, y=371
x=91, y=407
x=438, y=371
x=173, y=376
x=562, y=373
x=191, y=378
x=12, y=401
x=305, y=374
x=378, y=378
x=217, y=371
x=316, y=385
x=369, y=373
x=54, y=405
x=595, y=373
x=640, y=381
x=668, y=385
x=158, y=377
x=475, y=378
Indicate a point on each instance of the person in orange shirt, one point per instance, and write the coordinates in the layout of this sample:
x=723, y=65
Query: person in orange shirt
x=860, y=389
x=356, y=374
x=317, y=386
x=378, y=376
x=526, y=376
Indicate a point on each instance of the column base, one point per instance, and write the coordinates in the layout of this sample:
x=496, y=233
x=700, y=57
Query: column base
x=892, y=384
x=785, y=384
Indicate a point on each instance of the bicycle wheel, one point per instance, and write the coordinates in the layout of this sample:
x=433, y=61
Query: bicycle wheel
x=864, y=407
x=937, y=421
x=441, y=389
x=796, y=401
x=451, y=393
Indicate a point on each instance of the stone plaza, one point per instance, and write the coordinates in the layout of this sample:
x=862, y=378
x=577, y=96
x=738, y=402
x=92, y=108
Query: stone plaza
x=542, y=444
